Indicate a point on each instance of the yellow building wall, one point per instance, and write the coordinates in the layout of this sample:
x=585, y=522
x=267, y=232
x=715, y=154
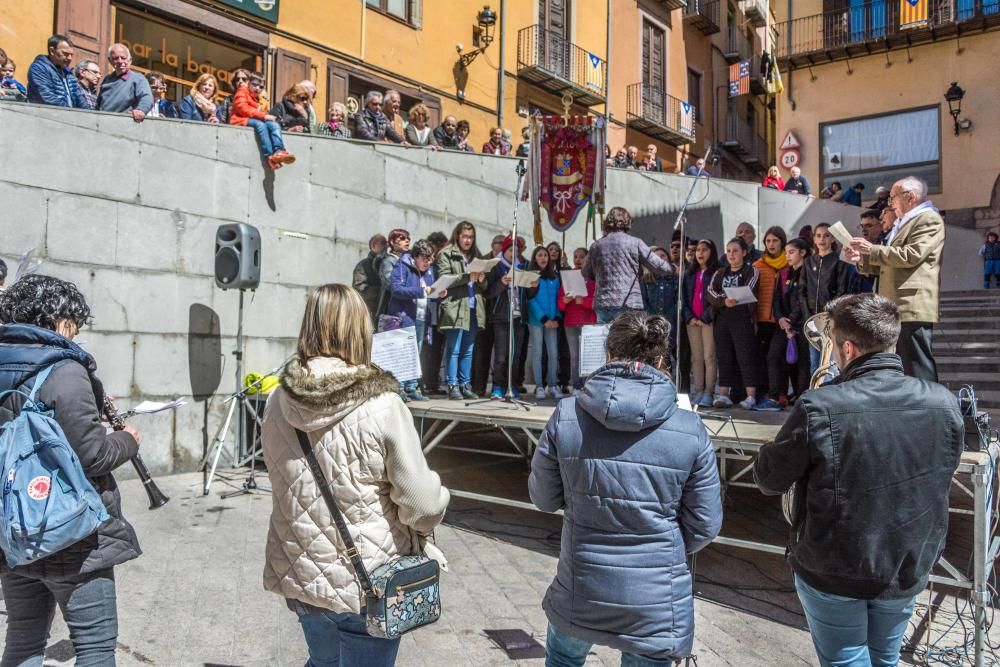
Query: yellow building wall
x=24, y=27
x=969, y=162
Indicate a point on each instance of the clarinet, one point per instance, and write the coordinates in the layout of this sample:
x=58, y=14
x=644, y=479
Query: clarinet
x=117, y=421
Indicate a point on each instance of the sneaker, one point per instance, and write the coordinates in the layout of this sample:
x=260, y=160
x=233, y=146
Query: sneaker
x=283, y=157
x=454, y=393
x=556, y=392
x=767, y=405
x=539, y=393
x=520, y=389
x=497, y=393
x=748, y=403
x=416, y=395
x=722, y=401
x=515, y=393
x=704, y=401
x=467, y=393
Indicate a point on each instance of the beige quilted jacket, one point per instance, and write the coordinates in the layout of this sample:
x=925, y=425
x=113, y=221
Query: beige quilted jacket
x=366, y=443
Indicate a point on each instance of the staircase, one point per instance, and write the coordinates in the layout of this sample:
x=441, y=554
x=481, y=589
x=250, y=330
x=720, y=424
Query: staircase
x=967, y=344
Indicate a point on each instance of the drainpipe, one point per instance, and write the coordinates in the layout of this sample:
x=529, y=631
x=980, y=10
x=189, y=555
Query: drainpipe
x=500, y=70
x=788, y=86
x=607, y=74
x=364, y=16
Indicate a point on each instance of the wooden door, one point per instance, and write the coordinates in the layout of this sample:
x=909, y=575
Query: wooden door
x=336, y=85
x=654, y=71
x=86, y=23
x=554, y=37
x=289, y=69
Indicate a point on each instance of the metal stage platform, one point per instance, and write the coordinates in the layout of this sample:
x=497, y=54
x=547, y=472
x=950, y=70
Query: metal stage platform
x=737, y=436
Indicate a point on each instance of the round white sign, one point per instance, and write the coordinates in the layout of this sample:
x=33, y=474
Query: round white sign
x=790, y=159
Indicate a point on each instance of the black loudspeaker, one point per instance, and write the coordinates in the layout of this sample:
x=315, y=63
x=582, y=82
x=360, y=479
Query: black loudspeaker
x=237, y=256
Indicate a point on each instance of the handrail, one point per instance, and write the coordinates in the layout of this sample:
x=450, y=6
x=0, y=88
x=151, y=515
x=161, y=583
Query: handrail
x=550, y=51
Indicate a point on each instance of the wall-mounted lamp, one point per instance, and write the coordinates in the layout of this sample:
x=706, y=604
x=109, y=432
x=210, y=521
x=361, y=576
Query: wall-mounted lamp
x=482, y=36
x=954, y=95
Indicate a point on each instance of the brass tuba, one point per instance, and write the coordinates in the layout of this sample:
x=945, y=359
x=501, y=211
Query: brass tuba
x=817, y=333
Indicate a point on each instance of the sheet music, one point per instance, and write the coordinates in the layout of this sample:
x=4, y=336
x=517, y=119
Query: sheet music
x=525, y=278
x=592, y=353
x=743, y=295
x=441, y=284
x=840, y=233
x=573, y=283
x=482, y=265
x=149, y=407
x=396, y=352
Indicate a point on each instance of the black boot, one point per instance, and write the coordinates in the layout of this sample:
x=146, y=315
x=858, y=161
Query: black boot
x=466, y=391
x=454, y=392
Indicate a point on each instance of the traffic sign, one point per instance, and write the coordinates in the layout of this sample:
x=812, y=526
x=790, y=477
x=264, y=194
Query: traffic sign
x=790, y=158
x=791, y=141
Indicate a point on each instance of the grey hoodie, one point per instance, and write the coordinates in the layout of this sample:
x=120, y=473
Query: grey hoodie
x=638, y=481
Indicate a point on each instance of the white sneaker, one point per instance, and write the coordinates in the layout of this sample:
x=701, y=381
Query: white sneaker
x=539, y=392
x=722, y=401
x=556, y=392
x=748, y=403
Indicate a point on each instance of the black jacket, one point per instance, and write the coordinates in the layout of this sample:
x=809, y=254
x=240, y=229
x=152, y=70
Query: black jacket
x=498, y=296
x=74, y=393
x=288, y=116
x=787, y=301
x=825, y=278
x=747, y=276
x=872, y=455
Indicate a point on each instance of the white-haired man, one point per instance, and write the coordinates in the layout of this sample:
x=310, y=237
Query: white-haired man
x=908, y=267
x=372, y=124
x=124, y=91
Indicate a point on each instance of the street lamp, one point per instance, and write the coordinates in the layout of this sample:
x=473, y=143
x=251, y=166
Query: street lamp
x=482, y=36
x=954, y=96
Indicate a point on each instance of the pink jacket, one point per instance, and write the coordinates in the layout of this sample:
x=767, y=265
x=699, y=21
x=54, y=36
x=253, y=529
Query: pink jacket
x=578, y=315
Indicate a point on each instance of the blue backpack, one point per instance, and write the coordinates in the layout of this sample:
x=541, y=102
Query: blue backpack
x=48, y=502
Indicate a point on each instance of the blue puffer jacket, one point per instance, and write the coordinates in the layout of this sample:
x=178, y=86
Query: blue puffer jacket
x=404, y=290
x=56, y=86
x=543, y=302
x=639, y=484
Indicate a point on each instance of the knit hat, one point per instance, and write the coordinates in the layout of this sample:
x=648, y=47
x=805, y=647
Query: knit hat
x=509, y=241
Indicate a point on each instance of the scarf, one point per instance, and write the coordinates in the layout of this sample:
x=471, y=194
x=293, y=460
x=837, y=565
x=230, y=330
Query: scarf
x=777, y=263
x=205, y=105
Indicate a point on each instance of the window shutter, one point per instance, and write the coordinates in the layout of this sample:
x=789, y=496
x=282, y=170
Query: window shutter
x=289, y=69
x=86, y=23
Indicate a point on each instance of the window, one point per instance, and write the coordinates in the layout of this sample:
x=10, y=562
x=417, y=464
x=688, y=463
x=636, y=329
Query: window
x=878, y=150
x=404, y=10
x=694, y=92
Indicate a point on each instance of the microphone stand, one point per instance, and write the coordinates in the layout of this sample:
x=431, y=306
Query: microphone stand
x=511, y=291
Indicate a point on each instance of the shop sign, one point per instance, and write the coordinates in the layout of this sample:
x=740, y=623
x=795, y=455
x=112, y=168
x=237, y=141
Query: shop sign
x=264, y=9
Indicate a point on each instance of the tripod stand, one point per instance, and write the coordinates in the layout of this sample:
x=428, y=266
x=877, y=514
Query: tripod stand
x=237, y=398
x=511, y=294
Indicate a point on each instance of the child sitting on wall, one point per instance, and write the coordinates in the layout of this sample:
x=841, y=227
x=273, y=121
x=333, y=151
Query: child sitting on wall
x=247, y=111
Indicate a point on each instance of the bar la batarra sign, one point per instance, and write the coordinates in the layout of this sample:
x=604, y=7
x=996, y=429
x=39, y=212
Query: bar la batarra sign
x=265, y=9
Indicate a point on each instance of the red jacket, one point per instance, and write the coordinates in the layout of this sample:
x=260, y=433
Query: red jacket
x=245, y=107
x=578, y=315
x=772, y=182
x=490, y=148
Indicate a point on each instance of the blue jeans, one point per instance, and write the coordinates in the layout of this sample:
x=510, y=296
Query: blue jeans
x=537, y=336
x=411, y=385
x=336, y=640
x=848, y=632
x=458, y=348
x=562, y=650
x=88, y=607
x=608, y=315
x=268, y=136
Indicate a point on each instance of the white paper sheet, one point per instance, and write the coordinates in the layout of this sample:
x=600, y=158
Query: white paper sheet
x=573, y=283
x=684, y=402
x=482, y=265
x=441, y=284
x=149, y=407
x=396, y=352
x=840, y=234
x=525, y=278
x=742, y=295
x=592, y=353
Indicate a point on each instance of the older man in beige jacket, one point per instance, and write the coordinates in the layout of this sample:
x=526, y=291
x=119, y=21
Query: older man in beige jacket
x=908, y=267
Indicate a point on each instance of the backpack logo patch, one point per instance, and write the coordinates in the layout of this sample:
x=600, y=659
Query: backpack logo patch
x=39, y=487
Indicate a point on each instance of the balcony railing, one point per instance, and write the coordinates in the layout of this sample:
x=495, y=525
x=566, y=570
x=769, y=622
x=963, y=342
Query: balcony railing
x=756, y=12
x=737, y=46
x=704, y=15
x=656, y=114
x=739, y=136
x=852, y=31
x=674, y=4
x=550, y=61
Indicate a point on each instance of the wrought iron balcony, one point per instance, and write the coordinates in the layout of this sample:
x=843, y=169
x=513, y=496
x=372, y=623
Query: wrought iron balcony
x=757, y=157
x=658, y=115
x=756, y=12
x=553, y=63
x=874, y=26
x=674, y=4
x=737, y=46
x=739, y=136
x=703, y=15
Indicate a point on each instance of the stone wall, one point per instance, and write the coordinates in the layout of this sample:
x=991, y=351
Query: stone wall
x=129, y=212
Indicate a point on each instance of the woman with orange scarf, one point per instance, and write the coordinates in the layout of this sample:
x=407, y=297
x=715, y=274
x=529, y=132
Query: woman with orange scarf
x=773, y=269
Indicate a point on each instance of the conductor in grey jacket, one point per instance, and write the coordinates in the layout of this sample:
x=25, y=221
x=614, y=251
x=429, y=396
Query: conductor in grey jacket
x=638, y=481
x=614, y=264
x=41, y=315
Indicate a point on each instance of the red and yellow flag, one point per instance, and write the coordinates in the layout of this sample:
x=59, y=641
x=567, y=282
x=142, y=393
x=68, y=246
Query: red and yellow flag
x=912, y=14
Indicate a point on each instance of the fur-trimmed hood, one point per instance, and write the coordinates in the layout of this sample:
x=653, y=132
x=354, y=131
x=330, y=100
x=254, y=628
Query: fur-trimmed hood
x=326, y=389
